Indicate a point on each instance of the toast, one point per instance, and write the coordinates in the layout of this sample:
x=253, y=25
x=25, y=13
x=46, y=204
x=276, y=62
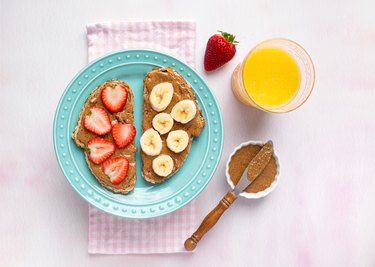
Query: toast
x=181, y=91
x=82, y=136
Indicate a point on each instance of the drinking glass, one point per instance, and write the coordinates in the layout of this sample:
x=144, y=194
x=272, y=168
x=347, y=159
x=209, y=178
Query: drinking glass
x=304, y=63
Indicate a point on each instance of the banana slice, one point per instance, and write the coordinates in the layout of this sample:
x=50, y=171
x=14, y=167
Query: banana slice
x=162, y=122
x=161, y=95
x=163, y=165
x=184, y=111
x=177, y=140
x=151, y=142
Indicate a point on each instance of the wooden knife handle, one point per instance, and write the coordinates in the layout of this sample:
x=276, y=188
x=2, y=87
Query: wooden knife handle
x=210, y=220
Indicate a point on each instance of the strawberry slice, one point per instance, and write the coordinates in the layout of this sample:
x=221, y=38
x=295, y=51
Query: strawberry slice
x=114, y=97
x=97, y=121
x=100, y=149
x=116, y=169
x=123, y=134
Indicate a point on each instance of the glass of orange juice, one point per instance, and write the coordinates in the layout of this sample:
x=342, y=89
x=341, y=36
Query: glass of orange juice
x=276, y=76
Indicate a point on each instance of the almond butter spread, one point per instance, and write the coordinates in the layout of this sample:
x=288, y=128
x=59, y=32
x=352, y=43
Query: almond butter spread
x=241, y=159
x=82, y=136
x=182, y=90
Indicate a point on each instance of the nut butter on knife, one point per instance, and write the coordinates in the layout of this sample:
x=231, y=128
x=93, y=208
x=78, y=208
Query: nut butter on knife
x=255, y=168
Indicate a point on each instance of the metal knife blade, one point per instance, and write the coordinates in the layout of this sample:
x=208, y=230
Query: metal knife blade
x=260, y=161
x=255, y=167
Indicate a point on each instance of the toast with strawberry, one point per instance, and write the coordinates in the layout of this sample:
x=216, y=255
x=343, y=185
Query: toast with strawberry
x=105, y=130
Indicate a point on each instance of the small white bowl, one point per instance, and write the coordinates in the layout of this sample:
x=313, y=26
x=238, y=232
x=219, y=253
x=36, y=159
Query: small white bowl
x=266, y=191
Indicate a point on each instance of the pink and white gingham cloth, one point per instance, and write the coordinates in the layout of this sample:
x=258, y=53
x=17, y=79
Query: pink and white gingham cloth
x=114, y=235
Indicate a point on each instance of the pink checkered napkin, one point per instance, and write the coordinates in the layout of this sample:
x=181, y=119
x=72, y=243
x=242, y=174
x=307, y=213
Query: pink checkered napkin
x=110, y=234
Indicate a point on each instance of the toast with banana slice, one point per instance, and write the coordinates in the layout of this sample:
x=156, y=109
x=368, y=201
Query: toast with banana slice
x=171, y=119
x=105, y=130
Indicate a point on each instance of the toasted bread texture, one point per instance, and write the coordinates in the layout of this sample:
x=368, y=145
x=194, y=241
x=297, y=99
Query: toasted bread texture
x=182, y=91
x=82, y=136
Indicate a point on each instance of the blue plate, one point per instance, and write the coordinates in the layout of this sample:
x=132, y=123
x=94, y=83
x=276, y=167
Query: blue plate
x=146, y=200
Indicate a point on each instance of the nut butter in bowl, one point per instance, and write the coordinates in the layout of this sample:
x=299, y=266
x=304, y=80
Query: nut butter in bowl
x=238, y=162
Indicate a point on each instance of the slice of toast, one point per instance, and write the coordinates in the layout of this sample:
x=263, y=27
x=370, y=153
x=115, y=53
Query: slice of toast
x=82, y=136
x=182, y=91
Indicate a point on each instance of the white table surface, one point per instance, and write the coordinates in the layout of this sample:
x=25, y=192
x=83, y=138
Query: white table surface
x=321, y=214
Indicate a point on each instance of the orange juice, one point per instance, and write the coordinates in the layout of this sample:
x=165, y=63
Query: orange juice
x=271, y=77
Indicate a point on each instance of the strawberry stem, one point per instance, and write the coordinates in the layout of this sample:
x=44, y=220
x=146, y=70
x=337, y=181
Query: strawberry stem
x=229, y=37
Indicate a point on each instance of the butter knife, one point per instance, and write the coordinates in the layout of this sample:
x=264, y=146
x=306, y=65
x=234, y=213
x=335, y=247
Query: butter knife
x=252, y=171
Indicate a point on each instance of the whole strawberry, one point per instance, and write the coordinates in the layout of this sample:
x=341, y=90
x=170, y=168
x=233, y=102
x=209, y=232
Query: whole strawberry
x=220, y=49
